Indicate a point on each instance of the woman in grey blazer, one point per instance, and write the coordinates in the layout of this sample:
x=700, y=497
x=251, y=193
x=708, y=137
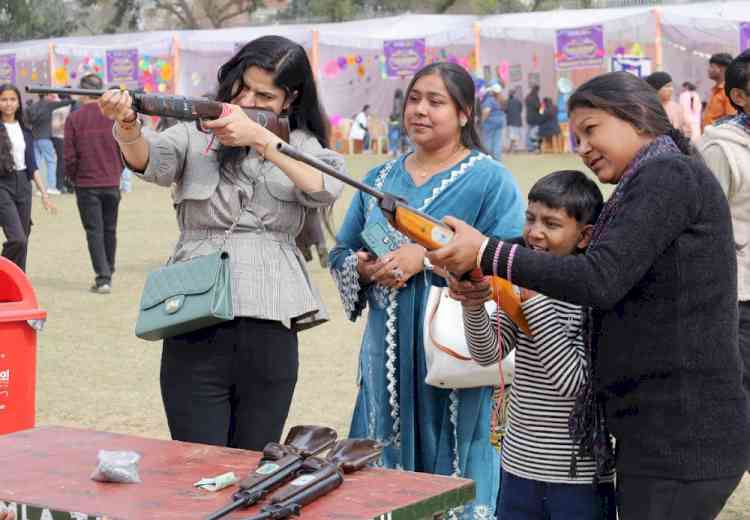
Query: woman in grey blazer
x=232, y=384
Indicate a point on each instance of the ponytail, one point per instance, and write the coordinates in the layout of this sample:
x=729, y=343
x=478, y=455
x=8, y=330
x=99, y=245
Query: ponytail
x=681, y=140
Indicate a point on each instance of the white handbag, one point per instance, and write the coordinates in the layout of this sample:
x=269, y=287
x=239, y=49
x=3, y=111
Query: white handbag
x=449, y=363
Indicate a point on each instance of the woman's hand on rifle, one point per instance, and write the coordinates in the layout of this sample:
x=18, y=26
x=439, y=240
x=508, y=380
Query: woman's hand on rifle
x=117, y=106
x=236, y=129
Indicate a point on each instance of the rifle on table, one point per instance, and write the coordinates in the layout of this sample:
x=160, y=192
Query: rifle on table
x=319, y=477
x=280, y=462
x=420, y=227
x=183, y=108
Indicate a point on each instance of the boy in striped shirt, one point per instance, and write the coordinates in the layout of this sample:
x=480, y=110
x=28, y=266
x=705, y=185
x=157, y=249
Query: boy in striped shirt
x=537, y=480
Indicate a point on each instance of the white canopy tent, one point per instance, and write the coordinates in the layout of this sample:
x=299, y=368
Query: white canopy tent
x=357, y=48
x=692, y=32
x=203, y=52
x=525, y=42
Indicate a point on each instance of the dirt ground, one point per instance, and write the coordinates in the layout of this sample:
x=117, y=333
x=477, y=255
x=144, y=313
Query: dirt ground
x=94, y=373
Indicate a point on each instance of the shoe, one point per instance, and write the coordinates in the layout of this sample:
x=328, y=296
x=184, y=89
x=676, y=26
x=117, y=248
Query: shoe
x=53, y=191
x=101, y=289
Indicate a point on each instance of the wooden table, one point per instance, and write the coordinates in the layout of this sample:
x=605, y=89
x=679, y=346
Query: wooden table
x=47, y=470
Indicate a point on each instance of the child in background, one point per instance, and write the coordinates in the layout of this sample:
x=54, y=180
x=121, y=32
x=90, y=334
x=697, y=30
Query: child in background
x=541, y=478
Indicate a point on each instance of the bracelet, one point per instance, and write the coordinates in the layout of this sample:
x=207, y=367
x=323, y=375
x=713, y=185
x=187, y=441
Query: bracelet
x=497, y=256
x=134, y=140
x=427, y=264
x=481, y=252
x=510, y=261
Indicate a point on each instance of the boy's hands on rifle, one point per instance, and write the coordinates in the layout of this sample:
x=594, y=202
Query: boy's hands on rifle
x=117, y=105
x=460, y=255
x=470, y=293
x=237, y=129
x=397, y=267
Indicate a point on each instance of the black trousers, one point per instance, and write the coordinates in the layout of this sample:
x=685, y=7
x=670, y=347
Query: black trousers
x=15, y=216
x=98, y=209
x=744, y=336
x=63, y=184
x=231, y=384
x=640, y=498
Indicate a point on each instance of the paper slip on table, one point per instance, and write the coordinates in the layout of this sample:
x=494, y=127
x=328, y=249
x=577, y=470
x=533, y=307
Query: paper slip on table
x=45, y=473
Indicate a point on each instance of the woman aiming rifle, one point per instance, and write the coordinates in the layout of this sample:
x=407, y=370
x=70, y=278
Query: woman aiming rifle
x=232, y=384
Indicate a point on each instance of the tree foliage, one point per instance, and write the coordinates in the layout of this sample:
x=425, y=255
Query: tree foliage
x=32, y=19
x=201, y=14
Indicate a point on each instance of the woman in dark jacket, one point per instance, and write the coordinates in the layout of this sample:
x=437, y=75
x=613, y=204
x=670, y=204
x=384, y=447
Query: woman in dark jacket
x=533, y=118
x=659, y=277
x=17, y=168
x=549, y=127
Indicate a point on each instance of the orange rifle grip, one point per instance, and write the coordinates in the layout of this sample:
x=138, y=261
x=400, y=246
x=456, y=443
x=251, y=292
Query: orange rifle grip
x=433, y=236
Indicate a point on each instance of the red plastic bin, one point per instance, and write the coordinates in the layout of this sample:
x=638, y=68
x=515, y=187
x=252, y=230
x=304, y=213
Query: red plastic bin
x=20, y=319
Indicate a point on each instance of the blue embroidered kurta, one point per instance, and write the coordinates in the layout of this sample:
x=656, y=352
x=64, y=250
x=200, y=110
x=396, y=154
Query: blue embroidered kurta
x=425, y=428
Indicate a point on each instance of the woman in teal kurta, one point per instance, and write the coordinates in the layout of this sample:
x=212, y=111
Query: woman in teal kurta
x=424, y=428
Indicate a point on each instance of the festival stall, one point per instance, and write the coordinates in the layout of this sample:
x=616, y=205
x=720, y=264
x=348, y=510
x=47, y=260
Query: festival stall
x=539, y=48
x=117, y=58
x=693, y=32
x=201, y=53
x=364, y=62
x=24, y=63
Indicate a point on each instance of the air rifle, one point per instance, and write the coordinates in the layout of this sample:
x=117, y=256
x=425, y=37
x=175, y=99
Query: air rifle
x=182, y=108
x=422, y=228
x=318, y=477
x=280, y=463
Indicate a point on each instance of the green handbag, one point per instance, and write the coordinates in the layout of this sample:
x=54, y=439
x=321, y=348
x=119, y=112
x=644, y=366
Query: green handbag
x=186, y=296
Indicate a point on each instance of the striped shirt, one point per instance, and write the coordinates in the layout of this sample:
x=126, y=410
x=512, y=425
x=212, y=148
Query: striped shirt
x=549, y=372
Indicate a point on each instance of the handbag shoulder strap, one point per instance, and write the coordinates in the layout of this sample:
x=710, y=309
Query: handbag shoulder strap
x=430, y=318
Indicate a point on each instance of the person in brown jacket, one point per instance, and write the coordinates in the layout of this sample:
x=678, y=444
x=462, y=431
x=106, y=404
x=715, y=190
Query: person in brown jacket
x=93, y=165
x=718, y=105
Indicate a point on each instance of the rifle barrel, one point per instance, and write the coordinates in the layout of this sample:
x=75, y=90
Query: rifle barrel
x=71, y=91
x=320, y=165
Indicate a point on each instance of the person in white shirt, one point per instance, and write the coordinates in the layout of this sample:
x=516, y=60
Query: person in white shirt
x=359, y=132
x=17, y=168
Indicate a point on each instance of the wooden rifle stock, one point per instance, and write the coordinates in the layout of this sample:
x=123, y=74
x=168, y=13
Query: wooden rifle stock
x=423, y=229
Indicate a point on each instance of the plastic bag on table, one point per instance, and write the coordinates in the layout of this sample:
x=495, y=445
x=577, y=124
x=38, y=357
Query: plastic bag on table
x=117, y=466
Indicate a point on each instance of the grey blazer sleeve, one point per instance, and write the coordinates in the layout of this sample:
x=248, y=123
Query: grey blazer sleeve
x=166, y=155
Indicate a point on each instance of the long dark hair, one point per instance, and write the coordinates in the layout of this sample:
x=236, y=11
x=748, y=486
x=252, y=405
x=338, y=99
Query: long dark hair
x=629, y=98
x=460, y=87
x=7, y=164
x=291, y=70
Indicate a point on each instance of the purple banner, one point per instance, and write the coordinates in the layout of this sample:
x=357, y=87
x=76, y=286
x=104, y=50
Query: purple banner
x=122, y=66
x=403, y=57
x=580, y=48
x=744, y=36
x=8, y=68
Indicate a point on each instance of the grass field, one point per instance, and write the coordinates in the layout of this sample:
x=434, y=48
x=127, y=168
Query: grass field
x=94, y=373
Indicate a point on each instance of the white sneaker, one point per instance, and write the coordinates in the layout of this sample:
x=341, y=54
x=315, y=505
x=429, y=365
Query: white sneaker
x=53, y=191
